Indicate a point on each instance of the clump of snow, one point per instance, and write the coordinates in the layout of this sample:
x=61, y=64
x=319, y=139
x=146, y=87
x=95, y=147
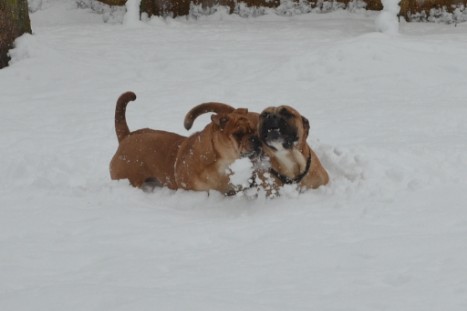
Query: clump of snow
x=34, y=5
x=459, y=15
x=216, y=12
x=132, y=16
x=242, y=173
x=110, y=14
x=387, y=21
x=245, y=11
x=289, y=7
x=24, y=47
x=441, y=15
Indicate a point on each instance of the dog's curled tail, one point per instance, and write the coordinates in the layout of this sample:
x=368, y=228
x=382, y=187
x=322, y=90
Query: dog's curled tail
x=121, y=127
x=218, y=108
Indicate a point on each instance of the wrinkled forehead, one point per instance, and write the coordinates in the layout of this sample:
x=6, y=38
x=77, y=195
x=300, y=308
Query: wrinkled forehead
x=240, y=116
x=241, y=111
x=241, y=121
x=283, y=109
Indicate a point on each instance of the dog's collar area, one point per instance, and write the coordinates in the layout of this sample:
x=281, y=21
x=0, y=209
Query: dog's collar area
x=295, y=180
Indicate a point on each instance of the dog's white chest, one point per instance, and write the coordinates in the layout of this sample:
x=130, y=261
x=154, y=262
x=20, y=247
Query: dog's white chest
x=285, y=160
x=291, y=160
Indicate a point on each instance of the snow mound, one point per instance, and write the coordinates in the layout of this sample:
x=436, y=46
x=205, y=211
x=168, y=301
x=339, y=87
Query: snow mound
x=132, y=16
x=25, y=46
x=242, y=173
x=387, y=21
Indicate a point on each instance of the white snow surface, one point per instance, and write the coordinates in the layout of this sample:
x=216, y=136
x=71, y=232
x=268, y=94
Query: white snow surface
x=388, y=120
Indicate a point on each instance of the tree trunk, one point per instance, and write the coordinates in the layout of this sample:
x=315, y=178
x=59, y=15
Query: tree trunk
x=14, y=21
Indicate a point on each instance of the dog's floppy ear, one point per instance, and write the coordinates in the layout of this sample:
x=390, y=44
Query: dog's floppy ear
x=306, y=125
x=220, y=119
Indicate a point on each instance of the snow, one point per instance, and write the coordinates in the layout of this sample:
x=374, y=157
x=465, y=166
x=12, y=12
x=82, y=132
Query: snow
x=131, y=18
x=387, y=21
x=387, y=116
x=241, y=173
x=34, y=5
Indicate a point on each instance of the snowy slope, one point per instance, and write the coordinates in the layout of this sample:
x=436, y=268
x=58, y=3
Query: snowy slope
x=387, y=117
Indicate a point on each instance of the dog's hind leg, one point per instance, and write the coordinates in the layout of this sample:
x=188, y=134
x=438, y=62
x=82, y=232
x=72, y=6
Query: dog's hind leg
x=150, y=184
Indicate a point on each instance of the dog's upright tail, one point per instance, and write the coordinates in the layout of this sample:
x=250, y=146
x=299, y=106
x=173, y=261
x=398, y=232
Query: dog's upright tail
x=121, y=127
x=218, y=108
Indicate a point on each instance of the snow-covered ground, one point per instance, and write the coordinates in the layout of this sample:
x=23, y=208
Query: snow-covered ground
x=388, y=119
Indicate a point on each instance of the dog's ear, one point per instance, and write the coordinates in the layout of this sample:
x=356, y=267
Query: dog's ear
x=306, y=125
x=241, y=110
x=219, y=120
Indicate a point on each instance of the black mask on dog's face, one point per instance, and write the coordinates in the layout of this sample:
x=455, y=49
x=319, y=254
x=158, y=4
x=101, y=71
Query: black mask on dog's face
x=278, y=129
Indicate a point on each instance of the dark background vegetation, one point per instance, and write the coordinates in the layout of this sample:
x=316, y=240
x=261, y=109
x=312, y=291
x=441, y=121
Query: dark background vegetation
x=182, y=7
x=14, y=17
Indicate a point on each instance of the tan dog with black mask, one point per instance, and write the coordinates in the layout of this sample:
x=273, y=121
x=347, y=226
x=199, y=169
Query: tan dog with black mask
x=283, y=132
x=198, y=162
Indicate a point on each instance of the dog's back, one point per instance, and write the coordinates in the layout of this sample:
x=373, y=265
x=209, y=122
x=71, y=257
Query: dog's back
x=147, y=155
x=143, y=155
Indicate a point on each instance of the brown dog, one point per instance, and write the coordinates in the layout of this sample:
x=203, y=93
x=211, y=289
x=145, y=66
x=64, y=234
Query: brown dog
x=283, y=132
x=198, y=162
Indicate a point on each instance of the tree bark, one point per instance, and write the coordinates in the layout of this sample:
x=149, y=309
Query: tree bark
x=14, y=21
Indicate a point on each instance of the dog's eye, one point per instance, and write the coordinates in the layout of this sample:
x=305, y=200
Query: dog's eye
x=238, y=135
x=285, y=113
x=265, y=115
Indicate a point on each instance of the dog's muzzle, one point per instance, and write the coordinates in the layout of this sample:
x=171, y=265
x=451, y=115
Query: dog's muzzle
x=274, y=129
x=255, y=144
